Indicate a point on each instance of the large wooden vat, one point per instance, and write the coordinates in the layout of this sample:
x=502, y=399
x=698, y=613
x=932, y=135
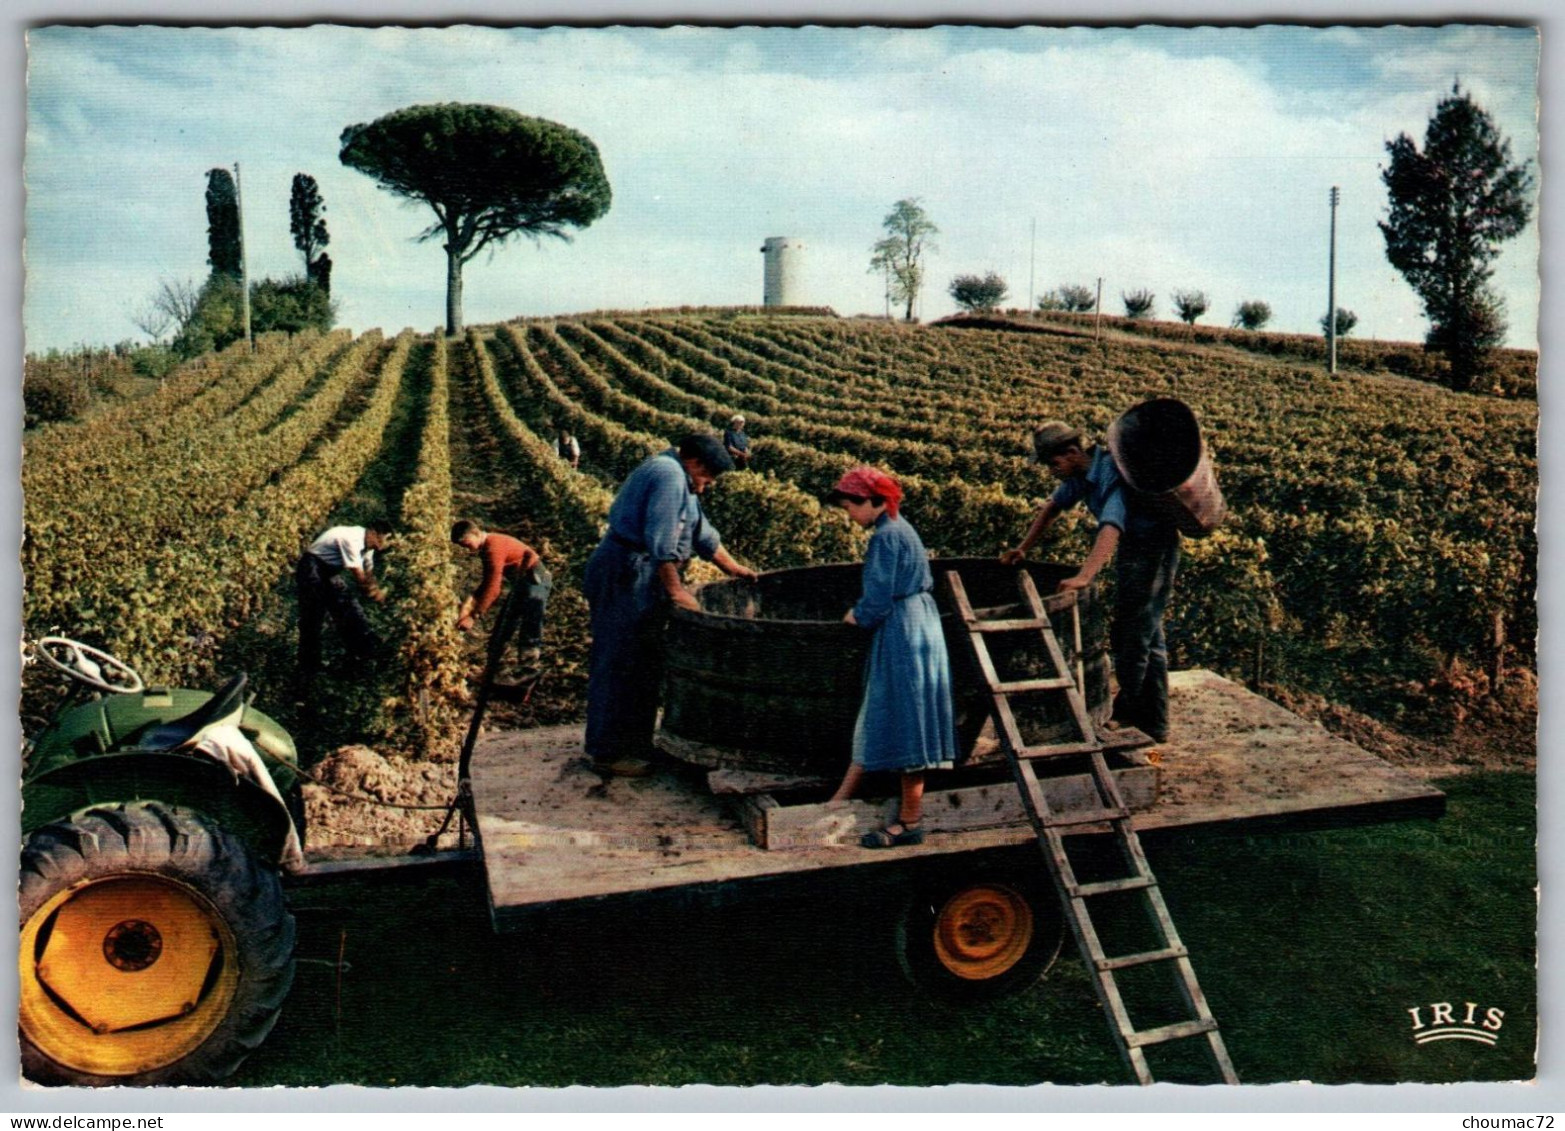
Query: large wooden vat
x=767, y=677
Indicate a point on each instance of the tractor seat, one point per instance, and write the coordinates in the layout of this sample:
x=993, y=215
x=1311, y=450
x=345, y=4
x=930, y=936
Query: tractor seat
x=180, y=732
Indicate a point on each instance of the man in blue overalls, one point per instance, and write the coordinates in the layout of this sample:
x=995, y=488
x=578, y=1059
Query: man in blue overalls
x=655, y=526
x=1148, y=548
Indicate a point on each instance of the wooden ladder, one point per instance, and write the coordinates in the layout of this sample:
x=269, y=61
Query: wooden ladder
x=1052, y=828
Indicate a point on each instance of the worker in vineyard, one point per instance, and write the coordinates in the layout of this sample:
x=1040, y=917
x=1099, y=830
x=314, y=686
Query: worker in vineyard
x=1148, y=559
x=736, y=442
x=321, y=582
x=905, y=720
x=632, y=579
x=506, y=559
x=568, y=448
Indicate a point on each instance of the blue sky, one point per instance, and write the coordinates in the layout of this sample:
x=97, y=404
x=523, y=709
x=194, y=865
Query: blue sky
x=1157, y=158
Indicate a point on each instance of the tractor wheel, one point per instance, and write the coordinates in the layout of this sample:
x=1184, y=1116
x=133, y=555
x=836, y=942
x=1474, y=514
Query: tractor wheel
x=155, y=949
x=978, y=936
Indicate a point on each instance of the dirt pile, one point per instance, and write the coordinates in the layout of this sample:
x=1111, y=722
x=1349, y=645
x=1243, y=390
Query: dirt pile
x=362, y=800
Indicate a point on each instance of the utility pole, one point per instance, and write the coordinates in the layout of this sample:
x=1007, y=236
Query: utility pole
x=1331, y=289
x=1097, y=315
x=244, y=270
x=1032, y=264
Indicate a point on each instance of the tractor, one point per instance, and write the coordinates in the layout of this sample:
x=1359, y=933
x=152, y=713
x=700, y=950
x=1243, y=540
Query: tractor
x=156, y=946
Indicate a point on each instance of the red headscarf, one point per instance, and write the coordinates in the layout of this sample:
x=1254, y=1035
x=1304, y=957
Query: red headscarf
x=867, y=481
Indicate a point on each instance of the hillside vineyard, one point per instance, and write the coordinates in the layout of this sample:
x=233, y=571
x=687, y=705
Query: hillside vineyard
x=1381, y=529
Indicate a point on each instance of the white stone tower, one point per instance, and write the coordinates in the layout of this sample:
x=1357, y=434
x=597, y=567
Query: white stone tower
x=781, y=284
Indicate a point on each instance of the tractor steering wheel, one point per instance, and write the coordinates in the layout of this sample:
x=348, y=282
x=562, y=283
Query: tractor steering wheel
x=89, y=665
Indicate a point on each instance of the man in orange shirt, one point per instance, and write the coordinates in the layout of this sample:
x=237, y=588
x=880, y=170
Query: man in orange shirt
x=506, y=557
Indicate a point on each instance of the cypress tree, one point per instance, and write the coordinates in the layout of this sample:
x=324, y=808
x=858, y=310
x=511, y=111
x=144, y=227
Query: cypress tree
x=222, y=218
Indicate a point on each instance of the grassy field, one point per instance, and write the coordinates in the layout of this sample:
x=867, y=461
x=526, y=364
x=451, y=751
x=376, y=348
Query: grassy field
x=1312, y=948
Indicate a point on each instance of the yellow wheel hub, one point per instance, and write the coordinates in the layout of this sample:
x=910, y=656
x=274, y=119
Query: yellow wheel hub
x=125, y=974
x=983, y=931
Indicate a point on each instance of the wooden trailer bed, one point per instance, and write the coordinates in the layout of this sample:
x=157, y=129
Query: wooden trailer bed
x=551, y=832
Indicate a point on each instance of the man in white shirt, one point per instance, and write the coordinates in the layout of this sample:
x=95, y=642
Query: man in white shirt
x=323, y=589
x=568, y=449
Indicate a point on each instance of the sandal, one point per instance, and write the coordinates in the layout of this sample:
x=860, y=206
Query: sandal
x=885, y=838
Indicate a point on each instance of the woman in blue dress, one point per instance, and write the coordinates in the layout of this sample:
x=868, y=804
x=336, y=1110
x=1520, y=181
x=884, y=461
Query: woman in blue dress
x=905, y=722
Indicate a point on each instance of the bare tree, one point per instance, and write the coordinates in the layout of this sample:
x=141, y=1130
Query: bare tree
x=177, y=300
x=1138, y=304
x=152, y=320
x=1191, y=305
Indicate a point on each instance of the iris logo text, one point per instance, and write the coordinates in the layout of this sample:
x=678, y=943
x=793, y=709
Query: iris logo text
x=1446, y=1022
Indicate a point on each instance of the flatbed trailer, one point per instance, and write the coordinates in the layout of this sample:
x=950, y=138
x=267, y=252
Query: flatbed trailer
x=553, y=834
x=975, y=910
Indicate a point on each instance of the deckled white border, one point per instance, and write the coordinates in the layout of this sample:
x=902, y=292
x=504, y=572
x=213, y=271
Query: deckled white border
x=1547, y=1095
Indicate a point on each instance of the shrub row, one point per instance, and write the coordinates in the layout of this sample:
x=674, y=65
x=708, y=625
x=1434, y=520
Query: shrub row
x=764, y=521
x=192, y=592
x=953, y=516
x=88, y=535
x=433, y=684
x=564, y=501
x=1512, y=373
x=1369, y=518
